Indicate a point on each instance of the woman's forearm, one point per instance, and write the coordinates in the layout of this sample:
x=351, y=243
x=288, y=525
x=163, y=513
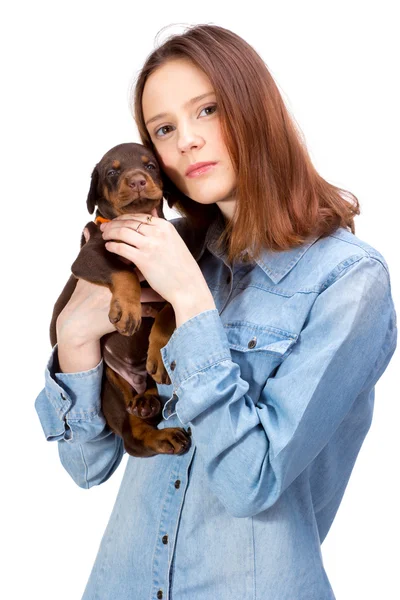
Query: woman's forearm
x=188, y=305
x=73, y=358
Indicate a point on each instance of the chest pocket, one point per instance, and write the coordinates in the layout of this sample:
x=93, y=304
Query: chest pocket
x=258, y=350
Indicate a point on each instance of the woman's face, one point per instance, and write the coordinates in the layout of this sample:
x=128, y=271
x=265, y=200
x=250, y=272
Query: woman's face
x=189, y=132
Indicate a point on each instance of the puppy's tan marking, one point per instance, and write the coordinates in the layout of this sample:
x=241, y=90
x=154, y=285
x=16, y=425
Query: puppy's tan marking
x=116, y=164
x=105, y=193
x=125, y=307
x=164, y=326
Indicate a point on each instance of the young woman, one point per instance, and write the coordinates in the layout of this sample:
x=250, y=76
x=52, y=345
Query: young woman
x=284, y=326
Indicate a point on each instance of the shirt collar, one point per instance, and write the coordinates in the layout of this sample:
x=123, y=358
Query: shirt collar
x=276, y=264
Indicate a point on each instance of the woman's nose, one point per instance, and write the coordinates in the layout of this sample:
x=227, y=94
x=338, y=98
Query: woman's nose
x=188, y=140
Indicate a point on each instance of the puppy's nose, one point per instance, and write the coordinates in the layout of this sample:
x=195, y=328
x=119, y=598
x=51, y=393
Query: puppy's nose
x=137, y=182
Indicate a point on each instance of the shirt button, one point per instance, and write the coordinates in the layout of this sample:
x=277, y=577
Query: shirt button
x=173, y=365
x=159, y=594
x=177, y=484
x=165, y=539
x=252, y=343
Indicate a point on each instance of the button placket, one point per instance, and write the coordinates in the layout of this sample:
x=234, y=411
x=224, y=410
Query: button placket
x=163, y=554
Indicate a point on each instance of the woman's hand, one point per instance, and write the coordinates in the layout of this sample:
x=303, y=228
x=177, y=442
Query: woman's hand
x=159, y=252
x=85, y=317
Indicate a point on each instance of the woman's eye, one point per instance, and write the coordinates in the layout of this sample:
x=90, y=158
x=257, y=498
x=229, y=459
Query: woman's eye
x=212, y=106
x=207, y=107
x=163, y=127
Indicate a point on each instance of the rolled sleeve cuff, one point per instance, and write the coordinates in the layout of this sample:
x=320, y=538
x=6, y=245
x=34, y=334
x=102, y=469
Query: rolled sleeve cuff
x=79, y=393
x=197, y=344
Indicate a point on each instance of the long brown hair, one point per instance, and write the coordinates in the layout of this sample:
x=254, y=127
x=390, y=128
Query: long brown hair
x=281, y=199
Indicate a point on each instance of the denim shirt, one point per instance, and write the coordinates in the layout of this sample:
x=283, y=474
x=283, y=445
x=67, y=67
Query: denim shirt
x=276, y=387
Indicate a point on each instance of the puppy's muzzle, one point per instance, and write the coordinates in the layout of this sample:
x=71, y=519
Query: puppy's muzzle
x=136, y=182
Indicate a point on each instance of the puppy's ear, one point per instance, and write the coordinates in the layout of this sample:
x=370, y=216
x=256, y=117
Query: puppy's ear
x=167, y=196
x=93, y=194
x=172, y=194
x=169, y=190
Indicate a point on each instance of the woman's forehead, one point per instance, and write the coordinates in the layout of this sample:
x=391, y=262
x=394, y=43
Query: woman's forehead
x=173, y=85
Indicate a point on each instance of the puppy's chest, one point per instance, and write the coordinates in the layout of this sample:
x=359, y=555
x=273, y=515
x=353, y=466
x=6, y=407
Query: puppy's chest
x=131, y=369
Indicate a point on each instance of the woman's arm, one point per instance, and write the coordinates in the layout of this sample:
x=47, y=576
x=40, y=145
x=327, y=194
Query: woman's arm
x=69, y=409
x=73, y=358
x=253, y=449
x=69, y=406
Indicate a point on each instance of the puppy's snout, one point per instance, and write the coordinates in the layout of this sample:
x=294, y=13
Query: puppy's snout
x=136, y=182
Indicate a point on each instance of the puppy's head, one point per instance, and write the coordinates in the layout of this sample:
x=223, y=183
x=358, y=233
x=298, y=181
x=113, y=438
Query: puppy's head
x=126, y=180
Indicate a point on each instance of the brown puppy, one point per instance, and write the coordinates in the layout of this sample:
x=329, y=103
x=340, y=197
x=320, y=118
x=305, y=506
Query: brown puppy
x=127, y=180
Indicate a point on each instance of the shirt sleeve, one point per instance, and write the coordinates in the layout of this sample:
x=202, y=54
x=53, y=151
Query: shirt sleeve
x=254, y=448
x=69, y=409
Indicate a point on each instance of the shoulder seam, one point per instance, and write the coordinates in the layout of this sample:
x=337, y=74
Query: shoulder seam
x=348, y=262
x=367, y=252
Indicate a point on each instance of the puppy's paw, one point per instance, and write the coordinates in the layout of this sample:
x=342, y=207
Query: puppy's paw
x=126, y=316
x=144, y=406
x=171, y=440
x=155, y=366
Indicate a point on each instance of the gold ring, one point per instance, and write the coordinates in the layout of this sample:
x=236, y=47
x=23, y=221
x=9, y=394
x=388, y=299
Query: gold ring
x=149, y=218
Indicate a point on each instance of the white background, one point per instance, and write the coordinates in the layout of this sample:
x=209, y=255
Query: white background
x=66, y=72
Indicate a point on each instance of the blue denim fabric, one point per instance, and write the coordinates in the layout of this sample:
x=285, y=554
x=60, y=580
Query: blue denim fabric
x=277, y=387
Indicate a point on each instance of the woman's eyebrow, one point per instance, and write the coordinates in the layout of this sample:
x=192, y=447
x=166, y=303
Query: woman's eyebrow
x=188, y=103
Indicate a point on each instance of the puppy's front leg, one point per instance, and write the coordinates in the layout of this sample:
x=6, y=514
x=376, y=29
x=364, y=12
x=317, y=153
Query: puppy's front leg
x=125, y=307
x=163, y=327
x=95, y=264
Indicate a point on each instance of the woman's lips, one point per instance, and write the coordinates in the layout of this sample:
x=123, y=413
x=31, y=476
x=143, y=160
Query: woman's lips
x=201, y=170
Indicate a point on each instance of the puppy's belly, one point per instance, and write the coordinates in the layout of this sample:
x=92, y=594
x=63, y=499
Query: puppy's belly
x=135, y=375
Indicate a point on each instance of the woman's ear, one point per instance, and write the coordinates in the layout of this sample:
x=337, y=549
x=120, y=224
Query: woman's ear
x=93, y=193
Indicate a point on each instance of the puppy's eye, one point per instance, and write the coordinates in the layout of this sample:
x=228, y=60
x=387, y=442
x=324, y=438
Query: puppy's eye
x=112, y=173
x=150, y=166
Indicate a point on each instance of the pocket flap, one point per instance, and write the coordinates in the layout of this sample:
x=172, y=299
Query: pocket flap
x=249, y=337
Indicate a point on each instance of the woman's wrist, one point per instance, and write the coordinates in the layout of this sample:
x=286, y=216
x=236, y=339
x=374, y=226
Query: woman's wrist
x=191, y=303
x=74, y=334
x=75, y=357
